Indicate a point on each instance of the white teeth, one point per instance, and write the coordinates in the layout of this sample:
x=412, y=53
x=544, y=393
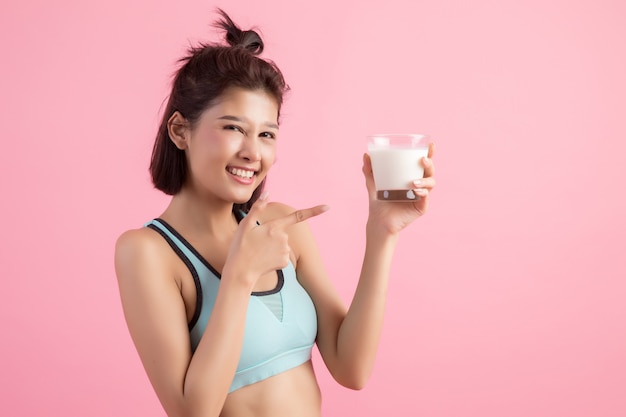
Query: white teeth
x=243, y=173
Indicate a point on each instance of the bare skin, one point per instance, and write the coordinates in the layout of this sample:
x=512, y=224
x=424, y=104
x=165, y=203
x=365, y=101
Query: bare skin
x=158, y=292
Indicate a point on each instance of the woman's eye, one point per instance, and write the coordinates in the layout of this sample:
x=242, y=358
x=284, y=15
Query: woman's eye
x=268, y=135
x=233, y=127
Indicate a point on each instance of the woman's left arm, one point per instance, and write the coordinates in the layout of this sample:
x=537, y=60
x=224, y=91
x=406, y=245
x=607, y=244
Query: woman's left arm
x=348, y=340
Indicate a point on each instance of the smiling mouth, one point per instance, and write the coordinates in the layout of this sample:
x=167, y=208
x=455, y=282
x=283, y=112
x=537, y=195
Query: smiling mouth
x=241, y=173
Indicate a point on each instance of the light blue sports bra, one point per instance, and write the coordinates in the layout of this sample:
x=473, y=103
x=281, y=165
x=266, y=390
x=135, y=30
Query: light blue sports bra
x=281, y=324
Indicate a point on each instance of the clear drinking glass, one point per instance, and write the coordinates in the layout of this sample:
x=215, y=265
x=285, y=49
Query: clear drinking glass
x=396, y=164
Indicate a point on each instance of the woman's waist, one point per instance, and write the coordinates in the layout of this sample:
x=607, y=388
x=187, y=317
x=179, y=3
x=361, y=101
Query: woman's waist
x=287, y=394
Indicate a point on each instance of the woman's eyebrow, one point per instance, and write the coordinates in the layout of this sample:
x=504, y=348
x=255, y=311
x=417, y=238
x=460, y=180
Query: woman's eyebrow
x=243, y=120
x=231, y=118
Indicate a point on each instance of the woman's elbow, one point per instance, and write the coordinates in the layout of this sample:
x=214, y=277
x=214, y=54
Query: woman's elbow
x=355, y=380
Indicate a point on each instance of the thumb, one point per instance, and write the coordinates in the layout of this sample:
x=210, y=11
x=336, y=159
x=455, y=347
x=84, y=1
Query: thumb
x=369, y=175
x=255, y=211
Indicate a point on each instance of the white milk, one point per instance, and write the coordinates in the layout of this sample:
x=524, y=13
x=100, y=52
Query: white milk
x=397, y=168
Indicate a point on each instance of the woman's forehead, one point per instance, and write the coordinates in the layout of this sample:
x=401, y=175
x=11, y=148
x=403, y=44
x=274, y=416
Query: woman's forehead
x=247, y=105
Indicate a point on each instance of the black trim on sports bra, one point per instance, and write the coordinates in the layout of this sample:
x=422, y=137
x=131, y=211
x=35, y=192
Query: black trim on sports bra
x=188, y=245
x=192, y=269
x=279, y=284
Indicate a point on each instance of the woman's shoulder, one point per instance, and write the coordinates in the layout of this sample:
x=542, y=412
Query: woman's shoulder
x=136, y=248
x=133, y=240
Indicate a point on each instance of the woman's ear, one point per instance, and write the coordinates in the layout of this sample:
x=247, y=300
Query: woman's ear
x=178, y=129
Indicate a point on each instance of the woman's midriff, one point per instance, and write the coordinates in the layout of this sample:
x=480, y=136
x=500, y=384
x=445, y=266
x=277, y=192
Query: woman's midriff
x=288, y=394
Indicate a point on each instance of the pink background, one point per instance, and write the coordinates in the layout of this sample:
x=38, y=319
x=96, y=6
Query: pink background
x=506, y=300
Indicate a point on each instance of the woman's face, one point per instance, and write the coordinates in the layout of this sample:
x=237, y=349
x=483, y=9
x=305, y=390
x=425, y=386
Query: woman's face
x=233, y=144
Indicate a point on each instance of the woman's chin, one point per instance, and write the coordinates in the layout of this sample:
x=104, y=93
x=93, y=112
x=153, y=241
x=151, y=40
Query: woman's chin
x=242, y=198
x=241, y=201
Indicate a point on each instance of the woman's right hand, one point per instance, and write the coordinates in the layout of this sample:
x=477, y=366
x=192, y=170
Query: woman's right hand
x=259, y=248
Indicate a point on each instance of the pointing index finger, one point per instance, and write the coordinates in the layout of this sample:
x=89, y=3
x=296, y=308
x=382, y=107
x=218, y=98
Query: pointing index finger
x=301, y=215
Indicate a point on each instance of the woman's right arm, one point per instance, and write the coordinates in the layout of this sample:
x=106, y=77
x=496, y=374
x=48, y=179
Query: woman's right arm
x=186, y=384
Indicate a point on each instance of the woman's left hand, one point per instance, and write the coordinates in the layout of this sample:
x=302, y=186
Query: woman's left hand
x=395, y=216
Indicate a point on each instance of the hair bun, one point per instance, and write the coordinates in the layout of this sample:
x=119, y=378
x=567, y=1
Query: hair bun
x=247, y=39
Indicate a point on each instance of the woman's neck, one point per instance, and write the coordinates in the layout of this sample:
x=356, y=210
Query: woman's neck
x=190, y=211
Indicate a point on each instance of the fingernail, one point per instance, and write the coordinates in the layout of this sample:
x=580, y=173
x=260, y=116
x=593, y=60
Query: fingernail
x=417, y=183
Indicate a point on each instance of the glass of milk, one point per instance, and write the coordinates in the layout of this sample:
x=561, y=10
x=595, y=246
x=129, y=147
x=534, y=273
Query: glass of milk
x=396, y=163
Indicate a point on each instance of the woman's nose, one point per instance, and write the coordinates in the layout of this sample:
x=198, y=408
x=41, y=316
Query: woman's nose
x=250, y=149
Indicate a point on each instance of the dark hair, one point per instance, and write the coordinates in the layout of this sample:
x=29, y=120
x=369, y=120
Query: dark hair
x=207, y=71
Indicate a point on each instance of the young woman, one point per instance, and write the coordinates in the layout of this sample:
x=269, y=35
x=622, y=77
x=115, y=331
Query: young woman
x=225, y=293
